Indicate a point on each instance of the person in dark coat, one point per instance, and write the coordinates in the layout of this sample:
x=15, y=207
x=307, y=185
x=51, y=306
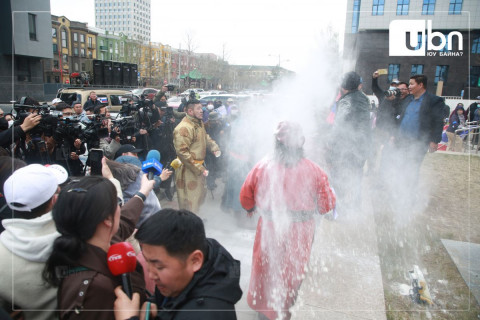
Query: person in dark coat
x=89, y=219
x=195, y=277
x=350, y=141
x=420, y=130
x=456, y=121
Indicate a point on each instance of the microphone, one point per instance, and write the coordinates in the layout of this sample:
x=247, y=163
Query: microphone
x=176, y=163
x=122, y=260
x=152, y=165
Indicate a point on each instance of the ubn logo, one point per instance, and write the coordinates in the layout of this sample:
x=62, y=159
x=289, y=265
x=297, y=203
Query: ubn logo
x=404, y=38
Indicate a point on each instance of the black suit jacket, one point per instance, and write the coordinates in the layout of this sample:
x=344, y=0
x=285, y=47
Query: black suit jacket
x=431, y=117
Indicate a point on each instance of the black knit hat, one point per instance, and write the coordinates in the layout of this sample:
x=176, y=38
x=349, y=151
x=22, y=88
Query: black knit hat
x=351, y=80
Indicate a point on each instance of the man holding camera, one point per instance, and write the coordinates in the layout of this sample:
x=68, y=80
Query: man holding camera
x=387, y=114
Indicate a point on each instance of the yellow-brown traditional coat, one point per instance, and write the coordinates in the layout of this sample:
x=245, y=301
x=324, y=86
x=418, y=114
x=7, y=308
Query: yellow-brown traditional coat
x=191, y=143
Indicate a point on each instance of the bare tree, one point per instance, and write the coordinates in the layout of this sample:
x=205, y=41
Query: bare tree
x=190, y=46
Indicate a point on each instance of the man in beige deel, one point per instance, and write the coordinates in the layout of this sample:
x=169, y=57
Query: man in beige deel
x=191, y=143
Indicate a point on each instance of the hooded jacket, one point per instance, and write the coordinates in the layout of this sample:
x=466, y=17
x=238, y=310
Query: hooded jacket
x=25, y=245
x=211, y=294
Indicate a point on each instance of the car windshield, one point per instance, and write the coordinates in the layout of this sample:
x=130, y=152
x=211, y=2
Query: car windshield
x=69, y=98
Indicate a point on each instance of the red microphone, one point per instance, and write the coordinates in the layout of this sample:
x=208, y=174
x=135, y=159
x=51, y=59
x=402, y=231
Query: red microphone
x=121, y=261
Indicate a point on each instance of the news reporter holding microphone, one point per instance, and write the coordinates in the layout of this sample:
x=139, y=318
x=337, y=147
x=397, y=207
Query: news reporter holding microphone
x=89, y=218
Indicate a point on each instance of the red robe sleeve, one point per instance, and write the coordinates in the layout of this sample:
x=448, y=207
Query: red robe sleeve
x=248, y=191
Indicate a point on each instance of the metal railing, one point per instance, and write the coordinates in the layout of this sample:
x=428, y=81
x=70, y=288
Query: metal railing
x=472, y=136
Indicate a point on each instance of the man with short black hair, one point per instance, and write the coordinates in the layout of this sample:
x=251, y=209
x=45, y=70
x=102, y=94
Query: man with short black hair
x=191, y=143
x=92, y=102
x=195, y=277
x=420, y=130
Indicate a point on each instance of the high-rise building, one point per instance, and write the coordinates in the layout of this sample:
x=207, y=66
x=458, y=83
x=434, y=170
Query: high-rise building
x=131, y=17
x=438, y=38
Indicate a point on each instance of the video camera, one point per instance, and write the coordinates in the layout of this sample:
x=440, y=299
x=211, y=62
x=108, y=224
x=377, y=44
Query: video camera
x=393, y=92
x=47, y=124
x=126, y=126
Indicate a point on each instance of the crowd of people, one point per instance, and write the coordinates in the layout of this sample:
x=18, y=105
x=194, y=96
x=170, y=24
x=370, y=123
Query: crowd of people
x=60, y=220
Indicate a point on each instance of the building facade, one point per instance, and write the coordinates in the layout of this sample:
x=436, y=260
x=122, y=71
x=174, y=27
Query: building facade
x=131, y=17
x=73, y=46
x=438, y=38
x=26, y=23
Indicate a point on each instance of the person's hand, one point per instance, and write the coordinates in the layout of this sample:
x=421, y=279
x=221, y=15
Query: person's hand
x=205, y=173
x=143, y=131
x=432, y=147
x=165, y=174
x=77, y=143
x=153, y=310
x=118, y=139
x=375, y=75
x=30, y=122
x=123, y=307
x=106, y=172
x=217, y=153
x=73, y=156
x=146, y=185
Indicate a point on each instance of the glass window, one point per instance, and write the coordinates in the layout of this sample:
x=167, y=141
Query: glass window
x=393, y=72
x=75, y=52
x=32, y=26
x=356, y=15
x=64, y=38
x=476, y=45
x=64, y=58
x=82, y=53
x=441, y=73
x=55, y=48
x=82, y=38
x=455, y=7
x=83, y=66
x=474, y=79
x=55, y=64
x=416, y=69
x=402, y=7
x=75, y=36
x=54, y=32
x=75, y=66
x=377, y=8
x=90, y=42
x=428, y=7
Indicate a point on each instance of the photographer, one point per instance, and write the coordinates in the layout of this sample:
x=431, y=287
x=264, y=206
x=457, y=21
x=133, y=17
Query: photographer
x=148, y=120
x=19, y=131
x=387, y=113
x=68, y=143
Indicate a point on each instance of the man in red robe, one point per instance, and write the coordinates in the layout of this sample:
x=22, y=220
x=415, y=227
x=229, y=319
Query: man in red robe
x=286, y=190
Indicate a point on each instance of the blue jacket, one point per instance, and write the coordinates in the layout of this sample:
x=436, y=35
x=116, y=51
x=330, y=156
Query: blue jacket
x=432, y=111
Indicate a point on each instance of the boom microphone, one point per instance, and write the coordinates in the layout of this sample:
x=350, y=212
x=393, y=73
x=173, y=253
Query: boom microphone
x=152, y=165
x=122, y=260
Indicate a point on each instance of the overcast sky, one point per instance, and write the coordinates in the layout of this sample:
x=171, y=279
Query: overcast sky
x=253, y=32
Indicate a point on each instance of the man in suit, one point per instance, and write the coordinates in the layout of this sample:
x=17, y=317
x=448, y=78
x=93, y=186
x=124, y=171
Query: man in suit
x=419, y=131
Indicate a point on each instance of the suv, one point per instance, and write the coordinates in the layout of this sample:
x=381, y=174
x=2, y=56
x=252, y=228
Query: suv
x=112, y=98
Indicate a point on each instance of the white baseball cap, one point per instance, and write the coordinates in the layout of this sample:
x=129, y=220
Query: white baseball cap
x=33, y=185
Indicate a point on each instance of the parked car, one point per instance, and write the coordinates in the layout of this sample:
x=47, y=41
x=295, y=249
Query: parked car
x=147, y=92
x=112, y=98
x=174, y=102
x=238, y=99
x=187, y=92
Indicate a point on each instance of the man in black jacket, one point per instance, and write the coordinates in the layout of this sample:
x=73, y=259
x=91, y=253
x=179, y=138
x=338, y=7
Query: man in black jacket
x=419, y=131
x=195, y=277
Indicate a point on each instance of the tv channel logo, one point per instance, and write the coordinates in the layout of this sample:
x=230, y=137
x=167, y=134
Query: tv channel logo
x=404, y=36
